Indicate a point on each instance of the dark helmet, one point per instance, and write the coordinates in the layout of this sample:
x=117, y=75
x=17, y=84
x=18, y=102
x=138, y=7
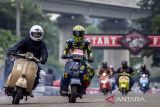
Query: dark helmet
x=50, y=71
x=78, y=33
x=104, y=64
x=124, y=63
x=143, y=67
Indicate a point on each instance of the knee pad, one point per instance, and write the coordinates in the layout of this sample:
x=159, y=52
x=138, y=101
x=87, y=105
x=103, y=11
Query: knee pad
x=91, y=72
x=86, y=84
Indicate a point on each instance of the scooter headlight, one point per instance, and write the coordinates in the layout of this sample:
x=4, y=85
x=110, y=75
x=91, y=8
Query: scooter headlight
x=104, y=74
x=143, y=75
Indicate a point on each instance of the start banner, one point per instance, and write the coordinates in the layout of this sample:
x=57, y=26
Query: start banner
x=114, y=41
x=134, y=41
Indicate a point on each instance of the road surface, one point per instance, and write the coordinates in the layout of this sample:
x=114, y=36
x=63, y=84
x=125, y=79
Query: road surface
x=151, y=100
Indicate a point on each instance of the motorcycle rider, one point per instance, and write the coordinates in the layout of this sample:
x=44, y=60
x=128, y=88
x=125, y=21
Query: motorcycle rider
x=78, y=42
x=145, y=71
x=103, y=68
x=111, y=70
x=125, y=68
x=33, y=44
x=112, y=76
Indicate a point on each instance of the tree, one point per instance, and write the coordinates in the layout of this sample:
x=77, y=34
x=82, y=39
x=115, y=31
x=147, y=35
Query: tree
x=6, y=40
x=151, y=24
x=96, y=53
x=7, y=16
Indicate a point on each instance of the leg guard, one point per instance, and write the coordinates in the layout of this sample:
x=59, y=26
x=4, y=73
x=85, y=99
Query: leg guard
x=131, y=82
x=64, y=83
x=90, y=72
x=36, y=81
x=8, y=68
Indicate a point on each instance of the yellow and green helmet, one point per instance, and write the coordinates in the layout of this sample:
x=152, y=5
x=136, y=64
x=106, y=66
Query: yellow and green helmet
x=78, y=33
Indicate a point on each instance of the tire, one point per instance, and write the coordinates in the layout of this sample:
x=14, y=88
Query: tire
x=124, y=91
x=17, y=97
x=104, y=91
x=144, y=90
x=73, y=96
x=110, y=91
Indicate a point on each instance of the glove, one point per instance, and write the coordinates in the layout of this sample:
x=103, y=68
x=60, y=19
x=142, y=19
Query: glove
x=90, y=60
x=12, y=58
x=64, y=57
x=41, y=61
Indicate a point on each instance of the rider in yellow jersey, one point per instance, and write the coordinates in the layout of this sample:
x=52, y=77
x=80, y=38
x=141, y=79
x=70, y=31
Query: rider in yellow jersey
x=78, y=42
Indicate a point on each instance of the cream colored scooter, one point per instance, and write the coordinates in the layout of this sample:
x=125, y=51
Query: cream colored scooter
x=20, y=81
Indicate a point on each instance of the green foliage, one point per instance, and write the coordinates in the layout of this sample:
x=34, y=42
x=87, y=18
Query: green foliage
x=6, y=40
x=145, y=4
x=96, y=53
x=151, y=24
x=31, y=15
x=7, y=16
x=93, y=29
x=51, y=40
x=155, y=25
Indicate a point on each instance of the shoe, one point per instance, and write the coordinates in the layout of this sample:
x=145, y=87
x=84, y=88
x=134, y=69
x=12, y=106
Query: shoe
x=63, y=91
x=31, y=94
x=83, y=91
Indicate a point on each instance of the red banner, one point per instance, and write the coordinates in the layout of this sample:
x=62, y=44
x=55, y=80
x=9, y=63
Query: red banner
x=104, y=41
x=155, y=41
x=113, y=40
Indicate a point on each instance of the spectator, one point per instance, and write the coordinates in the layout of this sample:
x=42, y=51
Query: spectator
x=50, y=77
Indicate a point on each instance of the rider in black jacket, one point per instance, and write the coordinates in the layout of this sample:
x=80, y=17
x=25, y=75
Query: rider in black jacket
x=144, y=70
x=33, y=44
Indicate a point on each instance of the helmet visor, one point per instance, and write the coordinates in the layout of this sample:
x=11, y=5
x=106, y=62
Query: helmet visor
x=78, y=33
x=78, y=36
x=36, y=34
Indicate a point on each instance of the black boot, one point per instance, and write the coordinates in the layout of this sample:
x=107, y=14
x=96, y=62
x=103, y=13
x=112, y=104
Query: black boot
x=64, y=91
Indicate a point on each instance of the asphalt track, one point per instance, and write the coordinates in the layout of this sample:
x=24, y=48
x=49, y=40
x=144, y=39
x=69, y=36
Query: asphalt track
x=149, y=100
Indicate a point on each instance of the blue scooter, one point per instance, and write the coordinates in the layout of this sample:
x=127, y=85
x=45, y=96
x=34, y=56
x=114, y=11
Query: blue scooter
x=75, y=73
x=144, y=83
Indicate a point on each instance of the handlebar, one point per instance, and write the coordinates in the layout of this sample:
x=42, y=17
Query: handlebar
x=71, y=57
x=124, y=74
x=145, y=75
x=26, y=57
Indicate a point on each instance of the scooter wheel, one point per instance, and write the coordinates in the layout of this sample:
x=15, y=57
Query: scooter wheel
x=17, y=97
x=124, y=91
x=72, y=98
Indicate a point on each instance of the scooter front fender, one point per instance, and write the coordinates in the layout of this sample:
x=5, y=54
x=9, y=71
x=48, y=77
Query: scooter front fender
x=75, y=81
x=21, y=82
